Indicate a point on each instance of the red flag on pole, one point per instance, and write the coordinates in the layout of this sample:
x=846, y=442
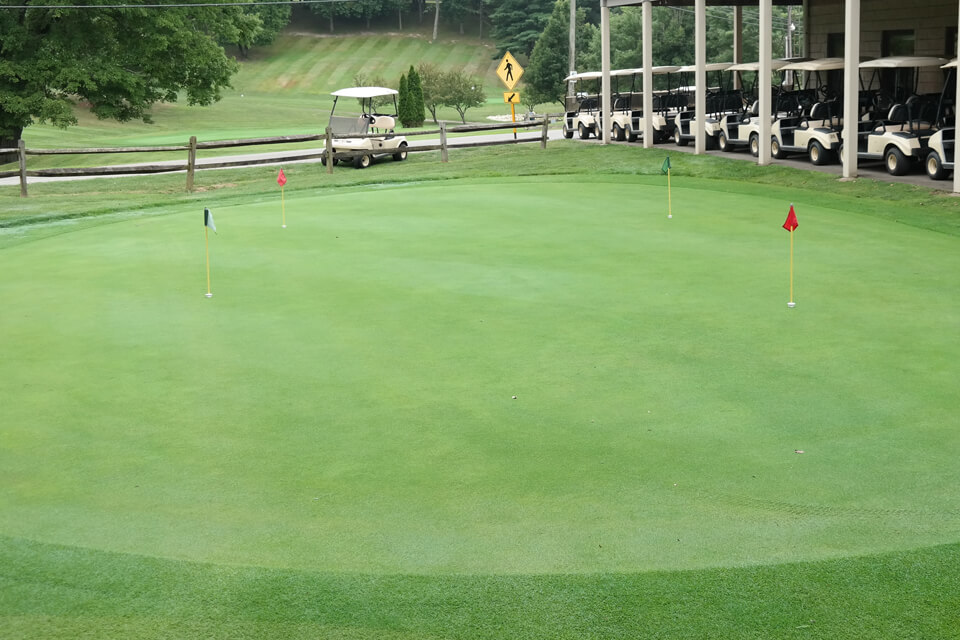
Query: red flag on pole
x=791, y=222
x=281, y=179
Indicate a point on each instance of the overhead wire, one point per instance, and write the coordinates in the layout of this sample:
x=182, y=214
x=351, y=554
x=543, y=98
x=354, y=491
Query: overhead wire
x=170, y=5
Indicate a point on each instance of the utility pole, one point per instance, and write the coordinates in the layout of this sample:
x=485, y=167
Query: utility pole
x=573, y=44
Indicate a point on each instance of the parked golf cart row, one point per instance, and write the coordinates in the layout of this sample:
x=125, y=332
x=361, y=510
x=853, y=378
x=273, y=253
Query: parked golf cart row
x=897, y=127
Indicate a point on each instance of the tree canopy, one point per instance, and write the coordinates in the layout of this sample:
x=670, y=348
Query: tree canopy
x=119, y=61
x=549, y=62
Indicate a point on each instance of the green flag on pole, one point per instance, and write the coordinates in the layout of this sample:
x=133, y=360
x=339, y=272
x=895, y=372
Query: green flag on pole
x=666, y=166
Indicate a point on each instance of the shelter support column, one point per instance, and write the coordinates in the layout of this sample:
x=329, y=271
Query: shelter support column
x=648, y=74
x=851, y=87
x=956, y=174
x=605, y=107
x=700, y=106
x=765, y=49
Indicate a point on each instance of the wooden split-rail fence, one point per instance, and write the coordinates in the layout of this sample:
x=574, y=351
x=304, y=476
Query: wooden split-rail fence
x=326, y=154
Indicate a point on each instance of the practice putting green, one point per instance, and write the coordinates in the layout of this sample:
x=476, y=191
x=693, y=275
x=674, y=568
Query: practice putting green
x=345, y=401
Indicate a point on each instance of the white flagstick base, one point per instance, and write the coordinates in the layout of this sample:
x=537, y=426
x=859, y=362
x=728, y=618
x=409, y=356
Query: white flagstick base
x=670, y=216
x=791, y=304
x=209, y=295
x=284, y=226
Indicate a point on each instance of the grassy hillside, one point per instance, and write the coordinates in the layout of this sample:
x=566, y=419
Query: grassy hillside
x=285, y=89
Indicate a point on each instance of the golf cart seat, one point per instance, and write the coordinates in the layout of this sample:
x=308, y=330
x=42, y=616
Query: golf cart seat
x=345, y=126
x=896, y=119
x=385, y=123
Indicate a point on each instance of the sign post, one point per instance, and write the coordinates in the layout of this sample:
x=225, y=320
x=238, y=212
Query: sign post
x=509, y=72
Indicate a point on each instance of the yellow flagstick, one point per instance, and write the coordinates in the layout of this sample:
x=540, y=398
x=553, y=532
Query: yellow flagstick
x=669, y=197
x=206, y=242
x=791, y=225
x=283, y=209
x=791, y=303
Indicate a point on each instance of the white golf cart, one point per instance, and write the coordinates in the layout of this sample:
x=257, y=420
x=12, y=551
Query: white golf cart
x=742, y=128
x=627, y=120
x=719, y=102
x=583, y=107
x=940, y=157
x=901, y=138
x=811, y=130
x=347, y=128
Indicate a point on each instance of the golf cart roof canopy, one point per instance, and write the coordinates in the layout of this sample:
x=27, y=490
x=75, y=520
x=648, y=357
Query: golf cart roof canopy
x=589, y=75
x=364, y=92
x=950, y=65
x=639, y=70
x=755, y=66
x=903, y=62
x=713, y=66
x=820, y=64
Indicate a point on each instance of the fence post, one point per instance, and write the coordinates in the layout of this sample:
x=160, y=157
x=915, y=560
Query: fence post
x=329, y=149
x=443, y=142
x=543, y=136
x=22, y=157
x=191, y=161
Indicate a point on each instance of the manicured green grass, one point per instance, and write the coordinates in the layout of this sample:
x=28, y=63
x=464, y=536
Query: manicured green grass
x=330, y=446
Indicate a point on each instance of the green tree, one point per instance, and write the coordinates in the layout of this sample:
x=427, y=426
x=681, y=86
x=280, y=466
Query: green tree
x=543, y=77
x=517, y=24
x=120, y=61
x=261, y=26
x=403, y=101
x=462, y=92
x=433, y=85
x=416, y=106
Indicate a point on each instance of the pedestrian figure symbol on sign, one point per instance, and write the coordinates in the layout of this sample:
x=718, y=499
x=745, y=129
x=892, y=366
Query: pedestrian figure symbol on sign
x=509, y=71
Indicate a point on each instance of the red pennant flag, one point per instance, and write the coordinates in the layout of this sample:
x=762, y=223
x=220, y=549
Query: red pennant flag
x=281, y=179
x=791, y=222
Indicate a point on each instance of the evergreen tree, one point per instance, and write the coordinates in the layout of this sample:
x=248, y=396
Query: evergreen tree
x=403, y=102
x=517, y=24
x=415, y=99
x=543, y=77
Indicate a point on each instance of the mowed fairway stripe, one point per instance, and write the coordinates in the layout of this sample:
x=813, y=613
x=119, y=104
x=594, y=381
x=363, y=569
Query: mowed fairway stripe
x=345, y=400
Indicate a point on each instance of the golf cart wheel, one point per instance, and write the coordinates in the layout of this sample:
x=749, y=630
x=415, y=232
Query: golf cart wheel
x=618, y=133
x=583, y=132
x=754, y=145
x=818, y=155
x=631, y=135
x=401, y=154
x=362, y=162
x=934, y=166
x=775, y=150
x=722, y=143
x=895, y=161
x=567, y=133
x=678, y=138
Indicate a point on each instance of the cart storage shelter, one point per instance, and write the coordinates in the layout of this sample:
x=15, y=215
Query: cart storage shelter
x=847, y=28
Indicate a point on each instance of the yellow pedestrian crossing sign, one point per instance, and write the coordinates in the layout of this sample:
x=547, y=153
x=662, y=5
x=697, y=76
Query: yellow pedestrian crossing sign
x=509, y=71
x=511, y=97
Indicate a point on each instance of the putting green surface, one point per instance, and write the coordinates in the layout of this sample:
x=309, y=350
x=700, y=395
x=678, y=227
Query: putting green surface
x=345, y=401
